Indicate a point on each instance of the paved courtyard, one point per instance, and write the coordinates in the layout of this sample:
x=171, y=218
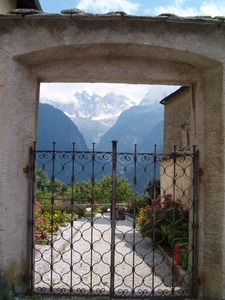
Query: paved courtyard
x=81, y=258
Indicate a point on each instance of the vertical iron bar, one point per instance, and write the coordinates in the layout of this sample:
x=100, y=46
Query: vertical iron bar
x=52, y=214
x=92, y=221
x=113, y=218
x=134, y=217
x=154, y=219
x=195, y=221
x=174, y=207
x=174, y=171
x=93, y=172
x=31, y=215
x=154, y=172
x=135, y=178
x=72, y=217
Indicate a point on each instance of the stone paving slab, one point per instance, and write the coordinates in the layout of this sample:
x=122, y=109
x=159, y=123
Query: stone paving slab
x=82, y=235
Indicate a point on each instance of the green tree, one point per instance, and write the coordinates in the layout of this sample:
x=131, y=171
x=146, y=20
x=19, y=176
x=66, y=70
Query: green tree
x=103, y=190
x=84, y=191
x=81, y=191
x=42, y=180
x=124, y=193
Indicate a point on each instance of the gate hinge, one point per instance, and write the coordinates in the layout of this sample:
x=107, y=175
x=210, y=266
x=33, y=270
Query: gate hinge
x=198, y=281
x=30, y=222
x=195, y=226
x=27, y=278
x=26, y=169
x=200, y=171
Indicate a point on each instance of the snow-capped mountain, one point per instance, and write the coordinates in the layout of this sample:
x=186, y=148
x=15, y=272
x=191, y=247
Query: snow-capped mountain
x=102, y=119
x=105, y=109
x=93, y=114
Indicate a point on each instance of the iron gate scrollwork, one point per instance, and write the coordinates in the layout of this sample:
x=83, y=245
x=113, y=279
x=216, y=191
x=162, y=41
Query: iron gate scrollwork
x=119, y=225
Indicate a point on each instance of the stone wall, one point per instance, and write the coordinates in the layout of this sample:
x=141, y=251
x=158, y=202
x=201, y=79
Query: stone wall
x=177, y=120
x=110, y=48
x=182, y=172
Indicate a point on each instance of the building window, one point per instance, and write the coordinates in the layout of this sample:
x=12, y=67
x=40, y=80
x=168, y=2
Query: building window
x=185, y=137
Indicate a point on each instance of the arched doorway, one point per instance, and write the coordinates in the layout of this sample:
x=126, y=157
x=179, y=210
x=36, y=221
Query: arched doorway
x=108, y=49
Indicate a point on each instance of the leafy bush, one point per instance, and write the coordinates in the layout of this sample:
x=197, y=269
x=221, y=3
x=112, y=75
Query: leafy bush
x=134, y=205
x=163, y=221
x=103, y=209
x=83, y=191
x=48, y=220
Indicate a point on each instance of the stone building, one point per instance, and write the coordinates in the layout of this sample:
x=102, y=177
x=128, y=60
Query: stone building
x=177, y=139
x=177, y=107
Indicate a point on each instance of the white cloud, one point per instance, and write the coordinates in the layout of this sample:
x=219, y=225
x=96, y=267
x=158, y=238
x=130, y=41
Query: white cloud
x=104, y=6
x=158, y=92
x=213, y=9
x=62, y=92
x=178, y=7
x=56, y=91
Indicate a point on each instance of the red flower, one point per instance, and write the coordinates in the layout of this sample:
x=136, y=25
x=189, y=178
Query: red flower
x=37, y=234
x=40, y=221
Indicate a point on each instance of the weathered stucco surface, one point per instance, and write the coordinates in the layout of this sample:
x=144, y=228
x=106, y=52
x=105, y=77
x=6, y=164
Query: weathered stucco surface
x=182, y=190
x=113, y=48
x=177, y=120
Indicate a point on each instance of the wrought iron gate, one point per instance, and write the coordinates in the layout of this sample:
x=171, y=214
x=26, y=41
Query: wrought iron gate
x=118, y=225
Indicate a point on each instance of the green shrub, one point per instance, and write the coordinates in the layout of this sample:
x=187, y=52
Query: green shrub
x=163, y=221
x=48, y=220
x=134, y=206
x=103, y=209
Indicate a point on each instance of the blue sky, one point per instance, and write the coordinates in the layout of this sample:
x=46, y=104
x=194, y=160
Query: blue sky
x=63, y=92
x=140, y=7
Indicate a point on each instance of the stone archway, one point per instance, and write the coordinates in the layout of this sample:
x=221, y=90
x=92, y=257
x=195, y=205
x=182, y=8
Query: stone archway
x=106, y=48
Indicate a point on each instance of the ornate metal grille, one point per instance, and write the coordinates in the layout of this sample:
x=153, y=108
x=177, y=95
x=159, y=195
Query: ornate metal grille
x=118, y=225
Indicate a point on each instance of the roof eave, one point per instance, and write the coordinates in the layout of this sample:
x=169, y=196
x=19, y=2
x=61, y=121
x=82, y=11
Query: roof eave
x=37, y=3
x=174, y=94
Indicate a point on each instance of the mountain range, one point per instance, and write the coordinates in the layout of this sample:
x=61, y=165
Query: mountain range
x=115, y=117
x=138, y=124
x=93, y=115
x=55, y=126
x=134, y=126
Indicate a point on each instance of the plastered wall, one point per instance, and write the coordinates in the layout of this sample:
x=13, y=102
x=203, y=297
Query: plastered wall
x=112, y=48
x=177, y=120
